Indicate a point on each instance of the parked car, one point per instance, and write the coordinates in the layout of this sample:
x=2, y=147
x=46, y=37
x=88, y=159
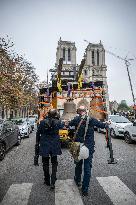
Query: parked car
x=32, y=122
x=99, y=130
x=118, y=123
x=33, y=116
x=29, y=123
x=24, y=126
x=130, y=133
x=1, y=123
x=9, y=136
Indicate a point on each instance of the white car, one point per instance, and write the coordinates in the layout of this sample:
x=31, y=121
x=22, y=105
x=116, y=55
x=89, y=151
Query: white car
x=32, y=122
x=99, y=130
x=118, y=123
x=33, y=116
x=24, y=126
x=130, y=133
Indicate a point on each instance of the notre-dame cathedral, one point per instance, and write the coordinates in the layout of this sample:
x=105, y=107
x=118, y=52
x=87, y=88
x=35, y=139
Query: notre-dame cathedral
x=94, y=69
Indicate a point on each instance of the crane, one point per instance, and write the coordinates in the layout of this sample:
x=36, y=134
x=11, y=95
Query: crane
x=79, y=74
x=127, y=64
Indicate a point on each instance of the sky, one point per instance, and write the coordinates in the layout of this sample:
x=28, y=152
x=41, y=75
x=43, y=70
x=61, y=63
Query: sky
x=35, y=27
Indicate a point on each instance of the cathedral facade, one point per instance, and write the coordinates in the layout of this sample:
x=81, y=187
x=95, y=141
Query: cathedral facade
x=94, y=69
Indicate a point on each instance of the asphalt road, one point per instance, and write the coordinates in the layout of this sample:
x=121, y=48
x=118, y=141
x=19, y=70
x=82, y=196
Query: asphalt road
x=108, y=182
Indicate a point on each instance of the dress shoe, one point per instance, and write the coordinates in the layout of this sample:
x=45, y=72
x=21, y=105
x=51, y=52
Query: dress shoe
x=47, y=183
x=52, y=186
x=84, y=193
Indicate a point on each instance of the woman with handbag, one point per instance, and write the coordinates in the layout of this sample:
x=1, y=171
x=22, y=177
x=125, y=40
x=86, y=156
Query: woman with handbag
x=80, y=122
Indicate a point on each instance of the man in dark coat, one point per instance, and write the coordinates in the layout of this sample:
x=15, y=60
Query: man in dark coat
x=47, y=138
x=89, y=142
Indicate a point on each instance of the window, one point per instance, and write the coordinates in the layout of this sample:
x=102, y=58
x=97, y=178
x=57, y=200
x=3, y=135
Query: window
x=85, y=72
x=63, y=54
x=69, y=55
x=118, y=119
x=97, y=57
x=66, y=73
x=71, y=73
x=93, y=62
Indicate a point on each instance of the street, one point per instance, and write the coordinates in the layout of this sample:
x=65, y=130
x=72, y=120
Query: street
x=22, y=183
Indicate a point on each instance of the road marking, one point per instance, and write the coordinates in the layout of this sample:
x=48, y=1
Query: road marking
x=118, y=192
x=17, y=194
x=67, y=193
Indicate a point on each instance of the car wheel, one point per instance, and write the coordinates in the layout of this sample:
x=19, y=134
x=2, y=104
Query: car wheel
x=18, y=140
x=31, y=130
x=112, y=133
x=28, y=132
x=2, y=151
x=127, y=138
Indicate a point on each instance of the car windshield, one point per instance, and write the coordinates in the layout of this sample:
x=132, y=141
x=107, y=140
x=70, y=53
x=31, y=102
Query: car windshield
x=31, y=119
x=119, y=119
x=19, y=121
x=33, y=116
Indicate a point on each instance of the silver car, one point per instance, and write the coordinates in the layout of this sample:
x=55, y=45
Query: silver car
x=9, y=136
x=118, y=123
x=130, y=133
x=24, y=126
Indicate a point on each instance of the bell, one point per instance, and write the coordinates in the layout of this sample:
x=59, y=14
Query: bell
x=69, y=111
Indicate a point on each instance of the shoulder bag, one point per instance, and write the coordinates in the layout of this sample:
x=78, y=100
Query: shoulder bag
x=79, y=150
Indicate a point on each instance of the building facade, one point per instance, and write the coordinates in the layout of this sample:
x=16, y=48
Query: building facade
x=67, y=51
x=95, y=68
x=93, y=71
x=114, y=107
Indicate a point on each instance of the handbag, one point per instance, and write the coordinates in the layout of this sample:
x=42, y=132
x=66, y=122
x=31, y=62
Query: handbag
x=79, y=150
x=84, y=151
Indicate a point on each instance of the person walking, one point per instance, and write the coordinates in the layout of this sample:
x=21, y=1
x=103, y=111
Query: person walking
x=89, y=142
x=48, y=145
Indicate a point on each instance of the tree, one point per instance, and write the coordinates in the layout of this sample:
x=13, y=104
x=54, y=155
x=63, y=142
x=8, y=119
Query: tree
x=123, y=106
x=17, y=78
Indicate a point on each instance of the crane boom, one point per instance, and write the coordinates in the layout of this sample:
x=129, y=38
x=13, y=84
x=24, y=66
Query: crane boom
x=80, y=69
x=115, y=55
x=127, y=63
x=59, y=68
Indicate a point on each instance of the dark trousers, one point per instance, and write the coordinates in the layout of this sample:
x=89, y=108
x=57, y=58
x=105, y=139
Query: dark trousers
x=87, y=172
x=54, y=162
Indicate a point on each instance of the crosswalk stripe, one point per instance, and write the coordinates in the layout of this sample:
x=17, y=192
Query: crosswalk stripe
x=67, y=193
x=17, y=194
x=118, y=192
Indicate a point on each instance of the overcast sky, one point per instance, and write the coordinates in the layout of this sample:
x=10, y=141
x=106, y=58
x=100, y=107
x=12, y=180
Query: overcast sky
x=36, y=26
